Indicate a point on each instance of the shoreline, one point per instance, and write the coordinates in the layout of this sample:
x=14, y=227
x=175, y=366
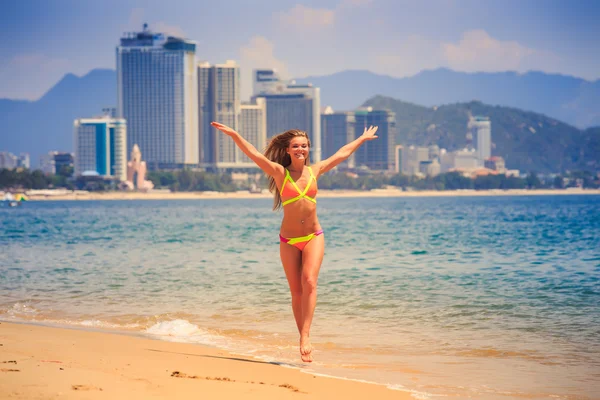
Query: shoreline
x=41, y=361
x=165, y=195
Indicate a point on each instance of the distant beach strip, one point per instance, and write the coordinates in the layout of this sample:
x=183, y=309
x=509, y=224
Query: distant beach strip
x=168, y=195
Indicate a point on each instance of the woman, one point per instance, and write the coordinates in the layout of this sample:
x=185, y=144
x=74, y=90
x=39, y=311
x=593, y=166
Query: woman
x=294, y=185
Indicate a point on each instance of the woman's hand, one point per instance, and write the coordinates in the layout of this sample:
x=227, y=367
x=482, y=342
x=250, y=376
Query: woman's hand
x=224, y=128
x=369, y=134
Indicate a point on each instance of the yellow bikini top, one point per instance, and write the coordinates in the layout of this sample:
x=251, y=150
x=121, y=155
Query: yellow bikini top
x=293, y=192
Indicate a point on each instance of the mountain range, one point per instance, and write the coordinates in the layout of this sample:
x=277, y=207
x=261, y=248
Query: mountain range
x=572, y=100
x=37, y=127
x=40, y=126
x=527, y=141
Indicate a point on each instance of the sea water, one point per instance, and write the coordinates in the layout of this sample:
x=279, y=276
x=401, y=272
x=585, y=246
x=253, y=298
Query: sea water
x=468, y=297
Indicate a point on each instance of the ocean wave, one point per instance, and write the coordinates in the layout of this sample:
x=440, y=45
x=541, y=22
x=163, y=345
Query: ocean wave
x=20, y=310
x=180, y=330
x=95, y=323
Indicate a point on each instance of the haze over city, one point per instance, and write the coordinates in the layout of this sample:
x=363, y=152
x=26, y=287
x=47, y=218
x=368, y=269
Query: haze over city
x=177, y=178
x=43, y=41
x=397, y=58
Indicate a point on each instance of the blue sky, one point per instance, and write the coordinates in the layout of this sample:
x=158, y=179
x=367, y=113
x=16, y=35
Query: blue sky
x=42, y=40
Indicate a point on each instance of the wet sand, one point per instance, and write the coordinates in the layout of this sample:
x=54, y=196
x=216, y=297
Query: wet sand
x=39, y=362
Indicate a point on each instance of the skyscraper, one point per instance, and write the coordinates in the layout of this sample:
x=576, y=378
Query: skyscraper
x=338, y=129
x=8, y=160
x=412, y=157
x=218, y=100
x=376, y=154
x=157, y=95
x=481, y=128
x=206, y=133
x=64, y=162
x=253, y=127
x=100, y=146
x=290, y=106
x=265, y=81
x=55, y=162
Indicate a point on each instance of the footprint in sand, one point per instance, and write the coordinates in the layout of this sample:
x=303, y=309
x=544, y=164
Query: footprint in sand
x=288, y=386
x=177, y=374
x=85, y=387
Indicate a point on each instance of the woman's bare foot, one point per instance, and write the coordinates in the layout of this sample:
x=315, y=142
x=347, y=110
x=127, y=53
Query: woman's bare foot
x=305, y=349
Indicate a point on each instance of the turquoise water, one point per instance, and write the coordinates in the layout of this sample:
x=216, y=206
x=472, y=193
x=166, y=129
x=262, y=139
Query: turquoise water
x=482, y=297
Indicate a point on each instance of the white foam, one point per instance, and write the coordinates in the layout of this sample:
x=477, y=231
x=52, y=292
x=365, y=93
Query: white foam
x=19, y=309
x=178, y=327
x=180, y=330
x=102, y=324
x=95, y=323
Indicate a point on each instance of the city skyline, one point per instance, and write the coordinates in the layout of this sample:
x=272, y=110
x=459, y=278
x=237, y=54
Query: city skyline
x=393, y=38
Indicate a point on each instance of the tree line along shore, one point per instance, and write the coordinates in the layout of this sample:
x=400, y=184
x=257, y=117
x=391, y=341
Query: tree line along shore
x=200, y=181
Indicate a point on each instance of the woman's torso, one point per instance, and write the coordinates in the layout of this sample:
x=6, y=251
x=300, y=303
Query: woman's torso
x=299, y=203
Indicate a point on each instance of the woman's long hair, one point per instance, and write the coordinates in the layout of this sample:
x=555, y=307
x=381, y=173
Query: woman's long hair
x=276, y=151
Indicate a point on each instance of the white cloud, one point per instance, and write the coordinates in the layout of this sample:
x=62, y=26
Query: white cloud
x=29, y=76
x=478, y=51
x=168, y=30
x=258, y=53
x=354, y=3
x=136, y=19
x=305, y=17
x=409, y=57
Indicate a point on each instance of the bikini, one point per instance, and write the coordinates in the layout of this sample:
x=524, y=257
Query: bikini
x=293, y=193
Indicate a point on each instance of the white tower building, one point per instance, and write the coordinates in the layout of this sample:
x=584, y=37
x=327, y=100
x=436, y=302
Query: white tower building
x=157, y=95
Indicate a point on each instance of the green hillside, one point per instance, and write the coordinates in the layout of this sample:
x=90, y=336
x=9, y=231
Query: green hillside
x=526, y=140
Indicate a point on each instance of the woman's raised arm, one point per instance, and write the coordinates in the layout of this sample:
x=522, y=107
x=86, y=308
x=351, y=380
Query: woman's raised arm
x=269, y=167
x=345, y=151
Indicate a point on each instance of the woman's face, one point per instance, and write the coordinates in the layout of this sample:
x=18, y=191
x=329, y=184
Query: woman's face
x=298, y=148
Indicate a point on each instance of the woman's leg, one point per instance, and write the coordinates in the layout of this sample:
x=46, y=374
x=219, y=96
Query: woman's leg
x=291, y=258
x=312, y=257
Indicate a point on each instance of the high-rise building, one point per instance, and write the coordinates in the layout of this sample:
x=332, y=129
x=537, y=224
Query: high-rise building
x=289, y=111
x=63, y=161
x=100, y=146
x=376, y=154
x=265, y=81
x=23, y=161
x=434, y=152
x=412, y=157
x=398, y=158
x=430, y=167
x=54, y=161
x=481, y=129
x=218, y=100
x=290, y=106
x=157, y=95
x=227, y=108
x=47, y=163
x=253, y=127
x=496, y=163
x=8, y=160
x=338, y=129
x=466, y=159
x=446, y=160
x=206, y=133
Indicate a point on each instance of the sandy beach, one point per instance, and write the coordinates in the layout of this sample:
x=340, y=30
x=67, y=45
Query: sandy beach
x=467, y=297
x=166, y=195
x=39, y=362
